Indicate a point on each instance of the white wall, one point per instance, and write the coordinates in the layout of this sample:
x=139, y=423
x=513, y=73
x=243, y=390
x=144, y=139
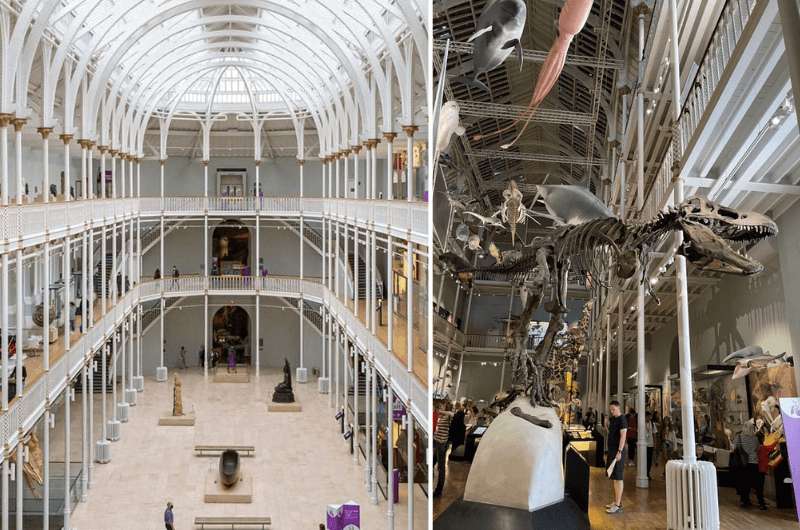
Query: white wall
x=32, y=163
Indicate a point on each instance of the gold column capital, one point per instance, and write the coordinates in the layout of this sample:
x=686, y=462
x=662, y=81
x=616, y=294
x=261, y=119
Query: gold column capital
x=44, y=131
x=19, y=123
x=410, y=129
x=389, y=136
x=66, y=138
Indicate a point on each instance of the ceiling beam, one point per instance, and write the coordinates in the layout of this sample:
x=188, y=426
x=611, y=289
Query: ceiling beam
x=536, y=157
x=536, y=56
x=485, y=109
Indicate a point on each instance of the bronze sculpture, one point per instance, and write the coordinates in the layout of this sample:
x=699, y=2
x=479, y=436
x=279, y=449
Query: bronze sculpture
x=283, y=390
x=229, y=468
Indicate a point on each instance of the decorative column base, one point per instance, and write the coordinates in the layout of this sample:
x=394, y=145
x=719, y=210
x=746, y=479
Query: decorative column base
x=161, y=374
x=102, y=450
x=113, y=430
x=138, y=383
x=302, y=375
x=122, y=412
x=130, y=396
x=692, y=499
x=324, y=385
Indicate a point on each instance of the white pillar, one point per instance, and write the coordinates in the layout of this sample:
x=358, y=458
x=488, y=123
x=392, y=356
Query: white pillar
x=18, y=479
x=84, y=434
x=374, y=428
x=45, y=132
x=4, y=324
x=389, y=137
x=389, y=457
x=67, y=450
x=389, y=291
x=46, y=468
x=18, y=124
x=355, y=402
x=410, y=306
x=410, y=468
x=367, y=423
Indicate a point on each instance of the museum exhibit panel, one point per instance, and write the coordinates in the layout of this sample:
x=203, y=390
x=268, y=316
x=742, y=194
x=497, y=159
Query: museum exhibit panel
x=214, y=259
x=615, y=225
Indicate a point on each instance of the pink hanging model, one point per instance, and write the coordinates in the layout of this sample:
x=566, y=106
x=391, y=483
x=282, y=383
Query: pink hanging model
x=570, y=22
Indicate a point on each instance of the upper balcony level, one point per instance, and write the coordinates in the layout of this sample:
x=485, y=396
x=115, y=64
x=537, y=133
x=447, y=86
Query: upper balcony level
x=26, y=225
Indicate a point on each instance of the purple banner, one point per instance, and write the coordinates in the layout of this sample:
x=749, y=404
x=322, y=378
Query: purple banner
x=790, y=412
x=345, y=516
x=398, y=412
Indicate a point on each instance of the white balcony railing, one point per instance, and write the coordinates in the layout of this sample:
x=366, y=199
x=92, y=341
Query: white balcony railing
x=24, y=412
x=27, y=224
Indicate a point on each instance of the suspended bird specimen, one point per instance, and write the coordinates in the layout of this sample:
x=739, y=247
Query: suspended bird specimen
x=499, y=29
x=448, y=125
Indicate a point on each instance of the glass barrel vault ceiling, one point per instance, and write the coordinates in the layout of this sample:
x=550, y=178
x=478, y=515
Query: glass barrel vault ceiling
x=200, y=57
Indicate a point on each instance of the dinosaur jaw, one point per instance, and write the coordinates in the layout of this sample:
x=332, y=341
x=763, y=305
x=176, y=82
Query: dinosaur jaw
x=710, y=252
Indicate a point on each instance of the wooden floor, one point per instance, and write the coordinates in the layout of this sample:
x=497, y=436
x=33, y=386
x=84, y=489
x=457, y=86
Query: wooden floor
x=644, y=509
x=400, y=350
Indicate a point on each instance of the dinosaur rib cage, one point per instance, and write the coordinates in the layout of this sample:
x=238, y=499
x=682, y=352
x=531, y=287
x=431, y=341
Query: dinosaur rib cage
x=590, y=247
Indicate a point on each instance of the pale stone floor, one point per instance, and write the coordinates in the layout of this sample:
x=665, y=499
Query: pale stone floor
x=301, y=463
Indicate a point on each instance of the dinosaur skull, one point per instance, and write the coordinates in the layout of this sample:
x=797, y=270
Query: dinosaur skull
x=716, y=238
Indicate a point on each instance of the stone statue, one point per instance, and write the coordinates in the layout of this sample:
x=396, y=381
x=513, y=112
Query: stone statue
x=177, y=401
x=283, y=390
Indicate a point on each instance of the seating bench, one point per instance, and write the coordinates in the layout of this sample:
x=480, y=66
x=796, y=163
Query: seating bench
x=232, y=521
x=243, y=450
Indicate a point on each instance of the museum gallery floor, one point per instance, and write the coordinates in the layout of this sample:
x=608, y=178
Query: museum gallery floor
x=300, y=465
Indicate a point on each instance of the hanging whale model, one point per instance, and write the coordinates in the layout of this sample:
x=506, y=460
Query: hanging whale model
x=499, y=29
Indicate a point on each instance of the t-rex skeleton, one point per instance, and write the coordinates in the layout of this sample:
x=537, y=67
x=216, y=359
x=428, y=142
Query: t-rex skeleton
x=709, y=232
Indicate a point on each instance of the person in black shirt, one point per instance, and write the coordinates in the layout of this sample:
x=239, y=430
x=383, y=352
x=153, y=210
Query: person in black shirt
x=617, y=429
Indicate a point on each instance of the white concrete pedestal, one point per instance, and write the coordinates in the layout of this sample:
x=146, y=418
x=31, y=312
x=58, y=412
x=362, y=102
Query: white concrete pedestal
x=302, y=375
x=518, y=464
x=138, y=383
x=102, y=451
x=161, y=374
x=113, y=430
x=130, y=397
x=323, y=385
x=122, y=411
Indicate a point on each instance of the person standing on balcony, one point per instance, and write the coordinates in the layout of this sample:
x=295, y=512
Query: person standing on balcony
x=246, y=275
x=175, y=275
x=202, y=356
x=73, y=312
x=157, y=274
x=262, y=270
x=183, y=357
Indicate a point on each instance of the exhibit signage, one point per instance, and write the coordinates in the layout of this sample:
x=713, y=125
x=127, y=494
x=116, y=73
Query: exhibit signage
x=345, y=516
x=790, y=411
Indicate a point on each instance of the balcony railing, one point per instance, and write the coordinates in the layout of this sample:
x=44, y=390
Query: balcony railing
x=727, y=34
x=29, y=223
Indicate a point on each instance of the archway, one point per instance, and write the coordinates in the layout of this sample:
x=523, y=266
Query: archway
x=231, y=330
x=230, y=248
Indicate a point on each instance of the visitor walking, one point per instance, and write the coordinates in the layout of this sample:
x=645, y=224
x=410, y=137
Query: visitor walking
x=175, y=275
x=202, y=356
x=458, y=428
x=633, y=435
x=231, y=360
x=157, y=274
x=669, y=442
x=441, y=438
x=169, y=517
x=617, y=430
x=183, y=357
x=650, y=432
x=73, y=312
x=747, y=444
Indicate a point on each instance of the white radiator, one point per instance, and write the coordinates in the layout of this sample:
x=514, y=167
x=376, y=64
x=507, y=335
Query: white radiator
x=692, y=500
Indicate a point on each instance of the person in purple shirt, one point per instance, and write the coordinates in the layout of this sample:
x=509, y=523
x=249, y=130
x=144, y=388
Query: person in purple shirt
x=169, y=518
